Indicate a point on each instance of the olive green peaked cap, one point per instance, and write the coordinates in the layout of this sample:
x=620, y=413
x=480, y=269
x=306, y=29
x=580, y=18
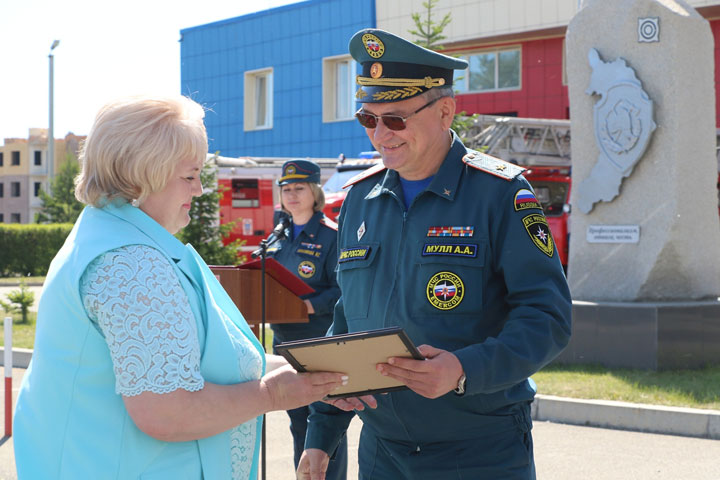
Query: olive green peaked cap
x=395, y=69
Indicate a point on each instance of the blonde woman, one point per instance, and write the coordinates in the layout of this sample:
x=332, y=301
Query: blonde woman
x=143, y=367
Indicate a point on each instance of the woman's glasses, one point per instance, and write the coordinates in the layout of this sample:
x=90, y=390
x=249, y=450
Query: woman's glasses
x=392, y=122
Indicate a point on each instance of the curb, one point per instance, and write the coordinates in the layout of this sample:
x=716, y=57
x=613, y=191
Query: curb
x=20, y=357
x=687, y=422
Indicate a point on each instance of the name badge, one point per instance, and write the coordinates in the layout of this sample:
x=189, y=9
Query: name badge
x=468, y=250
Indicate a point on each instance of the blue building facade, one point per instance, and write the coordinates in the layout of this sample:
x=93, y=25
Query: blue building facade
x=279, y=83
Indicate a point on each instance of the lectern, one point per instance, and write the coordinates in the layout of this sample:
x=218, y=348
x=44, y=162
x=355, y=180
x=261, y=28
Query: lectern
x=282, y=292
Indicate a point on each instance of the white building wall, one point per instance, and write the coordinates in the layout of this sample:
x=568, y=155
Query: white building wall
x=472, y=19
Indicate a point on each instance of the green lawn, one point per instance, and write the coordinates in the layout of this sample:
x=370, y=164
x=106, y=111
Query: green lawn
x=679, y=388
x=23, y=333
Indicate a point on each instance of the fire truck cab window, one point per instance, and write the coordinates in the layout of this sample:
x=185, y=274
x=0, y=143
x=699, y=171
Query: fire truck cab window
x=552, y=196
x=245, y=193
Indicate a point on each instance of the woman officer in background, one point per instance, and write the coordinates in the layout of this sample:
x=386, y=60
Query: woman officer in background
x=308, y=248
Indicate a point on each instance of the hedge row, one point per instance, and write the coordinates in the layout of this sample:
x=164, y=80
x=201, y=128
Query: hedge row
x=29, y=249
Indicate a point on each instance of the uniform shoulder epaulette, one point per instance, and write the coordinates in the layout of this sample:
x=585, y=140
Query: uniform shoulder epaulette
x=365, y=174
x=493, y=166
x=329, y=223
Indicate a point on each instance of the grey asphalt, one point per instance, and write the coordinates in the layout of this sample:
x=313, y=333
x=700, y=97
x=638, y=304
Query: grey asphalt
x=562, y=452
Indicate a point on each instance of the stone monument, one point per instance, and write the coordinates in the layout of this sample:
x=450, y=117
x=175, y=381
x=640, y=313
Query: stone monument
x=644, y=267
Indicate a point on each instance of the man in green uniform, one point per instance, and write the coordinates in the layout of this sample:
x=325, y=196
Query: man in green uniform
x=451, y=245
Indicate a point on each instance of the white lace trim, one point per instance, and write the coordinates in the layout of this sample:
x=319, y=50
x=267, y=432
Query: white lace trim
x=242, y=447
x=135, y=296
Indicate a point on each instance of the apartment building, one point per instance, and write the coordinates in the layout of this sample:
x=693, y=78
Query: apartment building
x=24, y=171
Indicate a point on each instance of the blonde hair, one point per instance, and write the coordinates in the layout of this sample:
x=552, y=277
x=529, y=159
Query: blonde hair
x=317, y=192
x=134, y=146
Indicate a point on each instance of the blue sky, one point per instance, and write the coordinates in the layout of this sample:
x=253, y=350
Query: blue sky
x=107, y=49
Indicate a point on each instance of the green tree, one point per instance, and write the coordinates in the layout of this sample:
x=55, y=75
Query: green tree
x=204, y=232
x=60, y=204
x=20, y=301
x=428, y=34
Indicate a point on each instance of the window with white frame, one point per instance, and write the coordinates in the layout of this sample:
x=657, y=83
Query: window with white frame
x=338, y=88
x=489, y=71
x=259, y=99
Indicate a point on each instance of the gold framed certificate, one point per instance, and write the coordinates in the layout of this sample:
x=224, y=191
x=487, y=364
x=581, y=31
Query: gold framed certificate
x=354, y=354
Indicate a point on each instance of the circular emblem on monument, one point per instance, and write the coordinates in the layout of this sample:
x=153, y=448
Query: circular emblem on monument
x=649, y=29
x=376, y=70
x=306, y=269
x=445, y=290
x=373, y=45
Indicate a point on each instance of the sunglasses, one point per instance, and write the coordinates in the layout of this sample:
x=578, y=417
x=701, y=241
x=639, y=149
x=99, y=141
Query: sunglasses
x=392, y=122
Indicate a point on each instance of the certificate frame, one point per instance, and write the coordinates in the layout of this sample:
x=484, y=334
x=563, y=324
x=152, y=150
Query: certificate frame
x=355, y=354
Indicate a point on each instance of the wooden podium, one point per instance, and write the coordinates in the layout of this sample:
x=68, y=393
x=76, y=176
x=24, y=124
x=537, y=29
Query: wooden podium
x=282, y=292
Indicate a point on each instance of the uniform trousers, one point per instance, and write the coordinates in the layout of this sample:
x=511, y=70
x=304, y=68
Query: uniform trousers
x=506, y=455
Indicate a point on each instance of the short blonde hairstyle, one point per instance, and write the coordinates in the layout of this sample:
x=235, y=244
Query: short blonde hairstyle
x=135, y=145
x=317, y=192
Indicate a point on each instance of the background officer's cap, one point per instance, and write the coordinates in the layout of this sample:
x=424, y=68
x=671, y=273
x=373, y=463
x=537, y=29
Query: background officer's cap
x=395, y=69
x=296, y=171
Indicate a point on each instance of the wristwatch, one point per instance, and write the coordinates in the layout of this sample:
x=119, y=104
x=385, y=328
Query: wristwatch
x=460, y=390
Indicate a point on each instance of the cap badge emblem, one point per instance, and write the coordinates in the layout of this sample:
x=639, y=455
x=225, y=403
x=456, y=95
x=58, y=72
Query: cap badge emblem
x=376, y=70
x=373, y=45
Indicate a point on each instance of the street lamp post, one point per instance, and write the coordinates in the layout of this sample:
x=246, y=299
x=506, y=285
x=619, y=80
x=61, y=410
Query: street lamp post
x=51, y=133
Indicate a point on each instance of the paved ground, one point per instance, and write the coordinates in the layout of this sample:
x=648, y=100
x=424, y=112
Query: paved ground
x=562, y=452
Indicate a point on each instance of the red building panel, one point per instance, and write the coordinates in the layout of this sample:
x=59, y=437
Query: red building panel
x=541, y=95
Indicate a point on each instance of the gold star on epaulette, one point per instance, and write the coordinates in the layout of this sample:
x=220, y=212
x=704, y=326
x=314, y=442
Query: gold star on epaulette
x=500, y=167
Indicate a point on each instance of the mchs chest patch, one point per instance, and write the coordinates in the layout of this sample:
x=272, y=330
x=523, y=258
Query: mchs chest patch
x=445, y=290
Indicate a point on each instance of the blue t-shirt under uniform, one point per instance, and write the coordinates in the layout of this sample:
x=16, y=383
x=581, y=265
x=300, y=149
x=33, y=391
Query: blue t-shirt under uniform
x=297, y=229
x=412, y=188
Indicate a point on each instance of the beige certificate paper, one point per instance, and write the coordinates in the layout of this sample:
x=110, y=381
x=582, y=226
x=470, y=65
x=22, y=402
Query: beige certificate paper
x=355, y=354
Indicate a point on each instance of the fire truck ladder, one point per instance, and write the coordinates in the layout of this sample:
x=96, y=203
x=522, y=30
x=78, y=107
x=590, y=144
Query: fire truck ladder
x=525, y=141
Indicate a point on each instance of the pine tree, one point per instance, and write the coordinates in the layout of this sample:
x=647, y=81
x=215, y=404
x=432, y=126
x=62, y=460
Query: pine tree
x=428, y=32
x=60, y=204
x=204, y=232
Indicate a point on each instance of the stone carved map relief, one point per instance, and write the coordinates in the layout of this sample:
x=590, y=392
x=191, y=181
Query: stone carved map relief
x=623, y=122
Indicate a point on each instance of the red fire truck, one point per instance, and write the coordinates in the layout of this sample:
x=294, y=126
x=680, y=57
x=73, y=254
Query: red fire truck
x=543, y=147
